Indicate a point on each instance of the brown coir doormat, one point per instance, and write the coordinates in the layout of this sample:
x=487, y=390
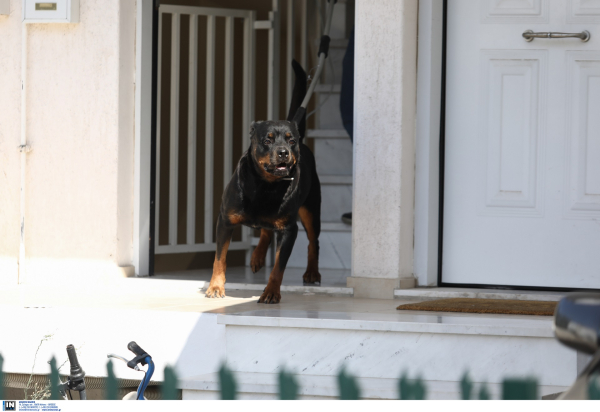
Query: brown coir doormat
x=510, y=307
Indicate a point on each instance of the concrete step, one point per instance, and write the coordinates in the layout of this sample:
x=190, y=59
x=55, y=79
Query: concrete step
x=334, y=157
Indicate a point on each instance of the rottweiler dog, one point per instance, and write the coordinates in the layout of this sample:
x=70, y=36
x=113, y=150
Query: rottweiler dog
x=275, y=182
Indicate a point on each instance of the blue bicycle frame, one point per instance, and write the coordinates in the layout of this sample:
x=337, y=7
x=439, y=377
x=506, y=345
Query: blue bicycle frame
x=144, y=383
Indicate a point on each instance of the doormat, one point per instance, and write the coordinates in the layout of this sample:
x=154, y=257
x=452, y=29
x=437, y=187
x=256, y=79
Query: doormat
x=504, y=306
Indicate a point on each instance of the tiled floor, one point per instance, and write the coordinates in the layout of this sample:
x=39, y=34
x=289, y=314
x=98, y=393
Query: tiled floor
x=292, y=276
x=187, y=296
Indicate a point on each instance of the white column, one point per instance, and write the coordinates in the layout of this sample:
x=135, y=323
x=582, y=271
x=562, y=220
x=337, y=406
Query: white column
x=143, y=123
x=384, y=147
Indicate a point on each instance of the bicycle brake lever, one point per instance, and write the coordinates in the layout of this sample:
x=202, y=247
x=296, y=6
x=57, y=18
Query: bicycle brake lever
x=112, y=355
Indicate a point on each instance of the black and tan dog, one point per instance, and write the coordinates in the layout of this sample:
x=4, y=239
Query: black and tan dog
x=275, y=182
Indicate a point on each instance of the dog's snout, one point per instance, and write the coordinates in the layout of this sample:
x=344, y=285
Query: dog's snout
x=283, y=153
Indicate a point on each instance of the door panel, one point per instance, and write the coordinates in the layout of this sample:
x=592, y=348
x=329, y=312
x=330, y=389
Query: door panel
x=522, y=161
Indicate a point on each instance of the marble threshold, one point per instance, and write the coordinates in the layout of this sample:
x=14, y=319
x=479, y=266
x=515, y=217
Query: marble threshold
x=427, y=293
x=410, y=321
x=334, y=283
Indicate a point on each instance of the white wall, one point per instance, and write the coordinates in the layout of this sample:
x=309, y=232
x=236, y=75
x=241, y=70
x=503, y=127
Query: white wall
x=80, y=120
x=384, y=141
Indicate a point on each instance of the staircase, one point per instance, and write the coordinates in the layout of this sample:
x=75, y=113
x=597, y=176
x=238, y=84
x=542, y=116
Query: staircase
x=333, y=153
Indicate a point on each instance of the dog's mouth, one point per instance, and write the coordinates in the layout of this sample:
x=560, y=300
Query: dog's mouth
x=279, y=169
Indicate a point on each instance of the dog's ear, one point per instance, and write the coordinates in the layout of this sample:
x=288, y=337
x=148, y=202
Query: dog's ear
x=253, y=128
x=296, y=128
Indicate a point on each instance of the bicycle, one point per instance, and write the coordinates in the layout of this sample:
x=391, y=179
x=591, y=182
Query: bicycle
x=76, y=378
x=143, y=358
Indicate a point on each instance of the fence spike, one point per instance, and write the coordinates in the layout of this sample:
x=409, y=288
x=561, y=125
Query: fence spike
x=169, y=386
x=288, y=387
x=54, y=380
x=484, y=394
x=593, y=387
x=227, y=382
x=419, y=390
x=411, y=389
x=111, y=382
x=466, y=386
x=1, y=378
x=348, y=386
x=519, y=389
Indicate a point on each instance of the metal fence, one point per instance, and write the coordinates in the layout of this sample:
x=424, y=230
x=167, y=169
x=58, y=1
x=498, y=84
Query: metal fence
x=218, y=124
x=348, y=386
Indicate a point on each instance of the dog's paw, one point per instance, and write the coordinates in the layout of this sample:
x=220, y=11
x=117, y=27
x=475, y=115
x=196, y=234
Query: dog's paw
x=311, y=277
x=270, y=295
x=215, y=291
x=257, y=261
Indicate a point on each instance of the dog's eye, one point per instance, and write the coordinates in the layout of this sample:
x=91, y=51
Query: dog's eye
x=292, y=142
x=266, y=141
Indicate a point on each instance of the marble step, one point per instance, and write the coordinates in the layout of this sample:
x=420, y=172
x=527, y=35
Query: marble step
x=336, y=198
x=448, y=293
x=381, y=346
x=335, y=179
x=335, y=43
x=266, y=386
x=334, y=157
x=328, y=115
x=328, y=88
x=332, y=227
x=321, y=134
x=335, y=247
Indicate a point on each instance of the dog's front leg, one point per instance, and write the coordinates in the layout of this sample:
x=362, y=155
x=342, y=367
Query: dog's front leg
x=216, y=289
x=285, y=243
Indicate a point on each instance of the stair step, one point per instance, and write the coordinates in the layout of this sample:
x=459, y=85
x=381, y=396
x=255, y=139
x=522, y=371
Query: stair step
x=335, y=43
x=333, y=156
x=335, y=179
x=331, y=227
x=327, y=134
x=328, y=88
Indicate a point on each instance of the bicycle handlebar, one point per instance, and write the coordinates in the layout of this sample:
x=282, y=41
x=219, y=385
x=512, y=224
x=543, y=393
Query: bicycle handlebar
x=135, y=348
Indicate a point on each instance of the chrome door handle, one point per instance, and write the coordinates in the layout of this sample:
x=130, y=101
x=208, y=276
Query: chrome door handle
x=529, y=35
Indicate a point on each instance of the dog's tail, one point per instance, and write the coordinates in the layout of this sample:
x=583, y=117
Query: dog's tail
x=297, y=96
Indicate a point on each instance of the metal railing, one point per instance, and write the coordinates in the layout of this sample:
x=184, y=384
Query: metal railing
x=249, y=18
x=205, y=211
x=348, y=386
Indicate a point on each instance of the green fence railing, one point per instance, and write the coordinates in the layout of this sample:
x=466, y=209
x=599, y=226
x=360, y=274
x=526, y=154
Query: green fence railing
x=289, y=389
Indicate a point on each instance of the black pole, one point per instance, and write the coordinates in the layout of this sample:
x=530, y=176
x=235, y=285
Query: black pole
x=440, y=282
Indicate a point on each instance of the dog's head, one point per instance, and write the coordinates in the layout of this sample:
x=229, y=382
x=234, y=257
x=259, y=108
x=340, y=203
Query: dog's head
x=275, y=148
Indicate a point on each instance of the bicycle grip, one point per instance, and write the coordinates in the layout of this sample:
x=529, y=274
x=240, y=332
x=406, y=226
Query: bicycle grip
x=135, y=348
x=76, y=372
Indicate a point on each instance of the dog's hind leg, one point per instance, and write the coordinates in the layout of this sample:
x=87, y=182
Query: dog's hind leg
x=216, y=288
x=311, y=220
x=259, y=254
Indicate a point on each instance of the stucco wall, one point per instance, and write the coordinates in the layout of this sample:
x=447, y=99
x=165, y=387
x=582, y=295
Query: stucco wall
x=80, y=124
x=384, y=146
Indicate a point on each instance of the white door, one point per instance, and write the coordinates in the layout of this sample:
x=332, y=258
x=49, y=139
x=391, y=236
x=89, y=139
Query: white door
x=522, y=160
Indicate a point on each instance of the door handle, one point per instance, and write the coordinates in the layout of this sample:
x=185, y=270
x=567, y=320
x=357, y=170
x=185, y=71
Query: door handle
x=529, y=35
